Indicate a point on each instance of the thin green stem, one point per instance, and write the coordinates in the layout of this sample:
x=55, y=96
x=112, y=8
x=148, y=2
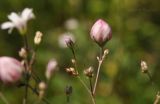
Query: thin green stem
x=91, y=86
x=88, y=90
x=27, y=76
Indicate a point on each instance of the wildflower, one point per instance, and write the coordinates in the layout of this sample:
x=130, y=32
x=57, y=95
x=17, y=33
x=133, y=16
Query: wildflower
x=51, y=67
x=144, y=67
x=101, y=32
x=10, y=69
x=18, y=21
x=38, y=38
x=66, y=40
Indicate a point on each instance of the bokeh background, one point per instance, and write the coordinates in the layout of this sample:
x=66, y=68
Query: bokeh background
x=136, y=36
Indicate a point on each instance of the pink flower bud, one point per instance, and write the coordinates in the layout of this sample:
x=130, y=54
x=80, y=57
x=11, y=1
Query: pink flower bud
x=51, y=67
x=10, y=69
x=101, y=32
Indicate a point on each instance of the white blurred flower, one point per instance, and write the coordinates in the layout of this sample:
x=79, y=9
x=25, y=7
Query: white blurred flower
x=65, y=38
x=18, y=21
x=71, y=24
x=10, y=69
x=51, y=67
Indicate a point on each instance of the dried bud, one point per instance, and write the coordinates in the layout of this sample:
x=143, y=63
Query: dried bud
x=72, y=71
x=73, y=61
x=10, y=69
x=51, y=67
x=89, y=72
x=101, y=32
x=68, y=90
x=38, y=38
x=23, y=53
x=42, y=86
x=144, y=67
x=106, y=51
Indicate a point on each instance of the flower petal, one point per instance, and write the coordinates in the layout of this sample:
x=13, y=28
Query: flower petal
x=27, y=14
x=7, y=25
x=15, y=18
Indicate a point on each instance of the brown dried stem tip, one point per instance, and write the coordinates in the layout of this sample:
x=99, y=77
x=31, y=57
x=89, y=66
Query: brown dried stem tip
x=71, y=71
x=89, y=72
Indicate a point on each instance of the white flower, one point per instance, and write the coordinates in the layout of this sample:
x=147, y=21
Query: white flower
x=18, y=21
x=65, y=38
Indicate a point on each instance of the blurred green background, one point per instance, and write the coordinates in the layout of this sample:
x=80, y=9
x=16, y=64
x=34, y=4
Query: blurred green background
x=136, y=36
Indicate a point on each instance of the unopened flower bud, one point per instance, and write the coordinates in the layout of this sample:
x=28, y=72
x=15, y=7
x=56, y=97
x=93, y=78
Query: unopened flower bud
x=89, y=72
x=144, y=67
x=101, y=32
x=72, y=71
x=42, y=86
x=23, y=53
x=10, y=69
x=68, y=90
x=51, y=68
x=38, y=38
x=73, y=61
x=66, y=40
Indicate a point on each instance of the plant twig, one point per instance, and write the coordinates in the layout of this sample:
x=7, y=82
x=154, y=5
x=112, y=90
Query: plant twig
x=100, y=60
x=91, y=86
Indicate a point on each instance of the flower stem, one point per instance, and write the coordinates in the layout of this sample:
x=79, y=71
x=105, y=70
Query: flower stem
x=88, y=90
x=27, y=76
x=91, y=87
x=98, y=70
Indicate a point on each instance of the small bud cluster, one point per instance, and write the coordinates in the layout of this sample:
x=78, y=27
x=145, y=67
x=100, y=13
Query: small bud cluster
x=42, y=87
x=68, y=90
x=89, y=72
x=38, y=38
x=72, y=71
x=23, y=53
x=144, y=67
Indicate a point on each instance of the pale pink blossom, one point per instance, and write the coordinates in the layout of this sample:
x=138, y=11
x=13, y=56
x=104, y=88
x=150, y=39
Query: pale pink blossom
x=51, y=68
x=18, y=21
x=10, y=69
x=101, y=32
